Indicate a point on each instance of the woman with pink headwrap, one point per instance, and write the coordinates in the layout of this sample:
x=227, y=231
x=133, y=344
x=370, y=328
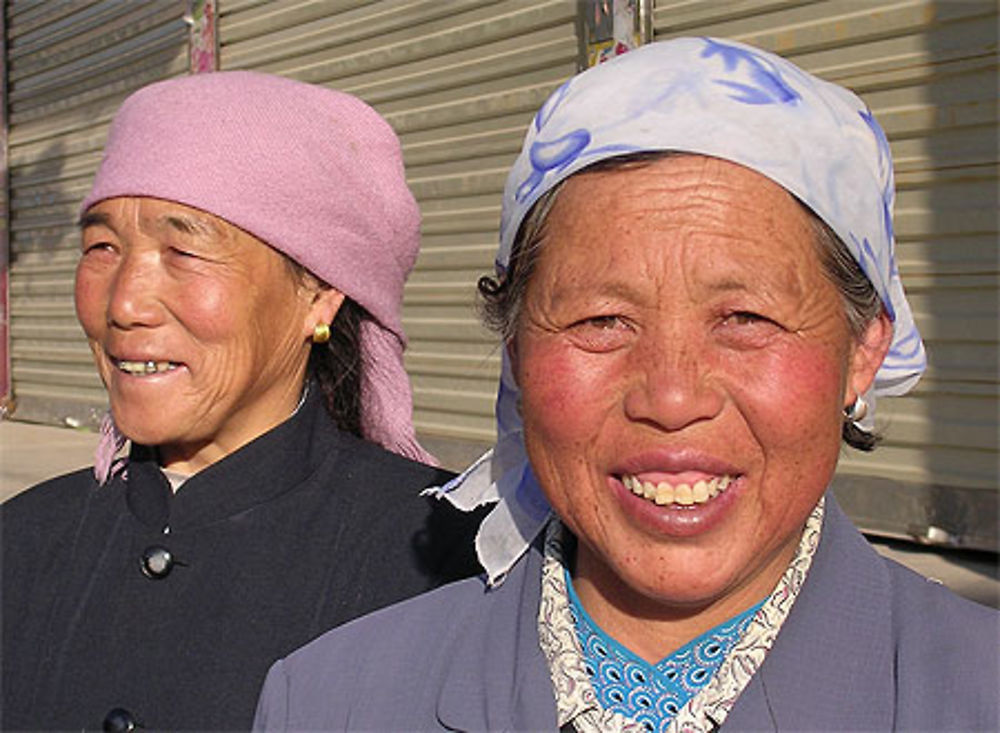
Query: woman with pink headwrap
x=244, y=249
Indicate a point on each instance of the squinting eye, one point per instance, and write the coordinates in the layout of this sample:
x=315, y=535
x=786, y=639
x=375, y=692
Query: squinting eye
x=602, y=321
x=747, y=330
x=746, y=317
x=89, y=247
x=600, y=333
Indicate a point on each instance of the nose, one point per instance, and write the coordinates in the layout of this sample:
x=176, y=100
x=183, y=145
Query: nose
x=672, y=386
x=133, y=300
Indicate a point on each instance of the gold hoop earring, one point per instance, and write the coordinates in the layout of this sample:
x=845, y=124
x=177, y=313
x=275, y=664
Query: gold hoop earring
x=321, y=333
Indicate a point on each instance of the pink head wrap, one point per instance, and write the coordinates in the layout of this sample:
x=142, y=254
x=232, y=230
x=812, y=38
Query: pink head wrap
x=315, y=173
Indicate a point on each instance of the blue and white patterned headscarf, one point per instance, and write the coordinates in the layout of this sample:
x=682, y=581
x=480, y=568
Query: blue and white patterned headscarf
x=710, y=97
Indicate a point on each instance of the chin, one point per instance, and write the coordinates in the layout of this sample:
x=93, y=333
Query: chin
x=141, y=427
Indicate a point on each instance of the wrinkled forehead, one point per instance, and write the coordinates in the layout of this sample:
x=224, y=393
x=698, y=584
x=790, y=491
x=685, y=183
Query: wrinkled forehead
x=712, y=222
x=725, y=100
x=155, y=216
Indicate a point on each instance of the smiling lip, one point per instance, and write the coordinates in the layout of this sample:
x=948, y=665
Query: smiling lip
x=144, y=367
x=682, y=493
x=677, y=493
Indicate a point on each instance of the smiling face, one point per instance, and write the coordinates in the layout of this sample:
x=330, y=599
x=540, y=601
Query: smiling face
x=200, y=331
x=683, y=363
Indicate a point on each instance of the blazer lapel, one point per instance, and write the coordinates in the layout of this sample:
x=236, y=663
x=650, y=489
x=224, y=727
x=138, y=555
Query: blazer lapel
x=832, y=666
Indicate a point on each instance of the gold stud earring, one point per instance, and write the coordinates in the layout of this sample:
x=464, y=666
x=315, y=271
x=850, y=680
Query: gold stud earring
x=321, y=334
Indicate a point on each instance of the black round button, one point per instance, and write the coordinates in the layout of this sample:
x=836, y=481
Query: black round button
x=156, y=562
x=120, y=720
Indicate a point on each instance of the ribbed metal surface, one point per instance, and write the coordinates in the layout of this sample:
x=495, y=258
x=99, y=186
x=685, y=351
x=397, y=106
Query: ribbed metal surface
x=5, y=387
x=929, y=71
x=70, y=64
x=459, y=81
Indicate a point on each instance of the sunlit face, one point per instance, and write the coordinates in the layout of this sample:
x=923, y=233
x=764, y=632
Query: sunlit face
x=199, y=330
x=679, y=340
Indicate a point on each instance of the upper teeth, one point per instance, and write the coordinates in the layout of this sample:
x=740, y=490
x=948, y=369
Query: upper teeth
x=685, y=494
x=145, y=367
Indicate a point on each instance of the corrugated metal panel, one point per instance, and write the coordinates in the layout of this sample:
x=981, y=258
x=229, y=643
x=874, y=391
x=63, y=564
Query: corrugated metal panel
x=5, y=389
x=70, y=64
x=459, y=81
x=929, y=71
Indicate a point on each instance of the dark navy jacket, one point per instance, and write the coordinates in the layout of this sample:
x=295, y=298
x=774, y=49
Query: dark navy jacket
x=298, y=531
x=868, y=646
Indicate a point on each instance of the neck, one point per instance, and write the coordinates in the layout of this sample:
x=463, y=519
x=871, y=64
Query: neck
x=190, y=457
x=651, y=627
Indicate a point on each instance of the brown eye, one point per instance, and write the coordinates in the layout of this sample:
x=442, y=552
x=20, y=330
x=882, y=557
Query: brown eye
x=97, y=246
x=603, y=322
x=742, y=318
x=601, y=333
x=747, y=330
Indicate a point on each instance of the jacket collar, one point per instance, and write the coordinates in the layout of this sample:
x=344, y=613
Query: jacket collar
x=268, y=466
x=840, y=629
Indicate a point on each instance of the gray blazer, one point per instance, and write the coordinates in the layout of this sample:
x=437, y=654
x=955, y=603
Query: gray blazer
x=868, y=646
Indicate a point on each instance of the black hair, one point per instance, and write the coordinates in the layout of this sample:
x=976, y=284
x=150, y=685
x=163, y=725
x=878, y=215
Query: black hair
x=337, y=367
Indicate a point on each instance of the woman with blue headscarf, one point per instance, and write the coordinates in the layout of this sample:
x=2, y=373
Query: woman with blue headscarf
x=699, y=301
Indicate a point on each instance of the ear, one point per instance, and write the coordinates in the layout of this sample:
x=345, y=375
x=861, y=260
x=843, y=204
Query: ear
x=869, y=353
x=323, y=309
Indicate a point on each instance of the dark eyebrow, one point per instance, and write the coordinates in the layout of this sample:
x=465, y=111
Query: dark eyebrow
x=191, y=225
x=94, y=219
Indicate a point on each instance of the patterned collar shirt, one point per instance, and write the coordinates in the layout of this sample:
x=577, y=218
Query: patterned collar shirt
x=739, y=645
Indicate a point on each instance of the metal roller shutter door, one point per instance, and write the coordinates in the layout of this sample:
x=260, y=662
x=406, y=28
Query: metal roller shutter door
x=929, y=71
x=459, y=81
x=69, y=65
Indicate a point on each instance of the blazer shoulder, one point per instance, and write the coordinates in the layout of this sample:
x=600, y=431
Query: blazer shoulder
x=925, y=609
x=947, y=644
x=390, y=659
x=411, y=629
x=422, y=627
x=925, y=603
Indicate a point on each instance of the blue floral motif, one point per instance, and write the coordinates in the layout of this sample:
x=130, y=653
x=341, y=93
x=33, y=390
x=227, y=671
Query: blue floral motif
x=551, y=104
x=882, y=142
x=551, y=155
x=768, y=86
x=554, y=154
x=885, y=169
x=908, y=347
x=528, y=186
